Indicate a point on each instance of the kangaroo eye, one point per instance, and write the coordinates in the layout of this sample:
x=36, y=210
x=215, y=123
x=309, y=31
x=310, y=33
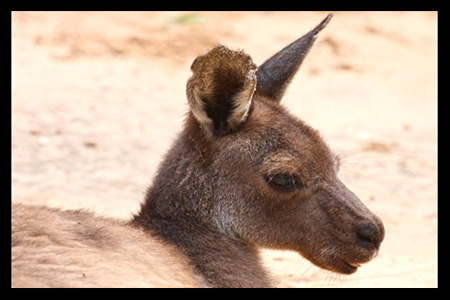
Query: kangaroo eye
x=283, y=181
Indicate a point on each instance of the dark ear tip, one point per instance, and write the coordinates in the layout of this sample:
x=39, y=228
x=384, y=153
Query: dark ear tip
x=322, y=24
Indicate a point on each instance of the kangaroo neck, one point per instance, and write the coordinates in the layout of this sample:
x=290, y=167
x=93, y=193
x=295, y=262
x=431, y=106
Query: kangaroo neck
x=219, y=260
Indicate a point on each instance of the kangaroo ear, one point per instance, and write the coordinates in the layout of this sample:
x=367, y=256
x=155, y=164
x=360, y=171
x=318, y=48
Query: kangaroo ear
x=276, y=73
x=220, y=89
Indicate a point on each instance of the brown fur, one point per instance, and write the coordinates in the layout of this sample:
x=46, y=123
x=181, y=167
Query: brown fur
x=243, y=174
x=54, y=248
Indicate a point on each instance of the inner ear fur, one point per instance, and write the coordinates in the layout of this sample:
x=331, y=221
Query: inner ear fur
x=221, y=88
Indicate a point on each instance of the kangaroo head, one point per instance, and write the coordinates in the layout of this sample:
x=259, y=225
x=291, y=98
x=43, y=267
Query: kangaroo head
x=272, y=180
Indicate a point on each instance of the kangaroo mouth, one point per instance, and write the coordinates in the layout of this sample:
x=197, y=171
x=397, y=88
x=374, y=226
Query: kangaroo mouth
x=353, y=267
x=339, y=265
x=343, y=267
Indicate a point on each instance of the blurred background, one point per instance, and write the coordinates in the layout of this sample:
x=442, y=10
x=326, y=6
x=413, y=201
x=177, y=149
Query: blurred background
x=98, y=97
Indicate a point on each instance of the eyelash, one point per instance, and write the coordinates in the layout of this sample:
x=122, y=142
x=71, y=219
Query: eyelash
x=283, y=181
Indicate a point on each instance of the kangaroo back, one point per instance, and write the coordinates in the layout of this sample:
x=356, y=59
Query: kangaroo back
x=54, y=248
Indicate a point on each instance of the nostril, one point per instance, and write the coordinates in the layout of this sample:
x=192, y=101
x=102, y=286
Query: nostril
x=364, y=236
x=368, y=234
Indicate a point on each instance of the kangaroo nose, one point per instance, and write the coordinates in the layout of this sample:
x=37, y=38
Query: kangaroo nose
x=370, y=233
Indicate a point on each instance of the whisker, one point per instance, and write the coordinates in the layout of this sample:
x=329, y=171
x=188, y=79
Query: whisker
x=348, y=158
x=359, y=174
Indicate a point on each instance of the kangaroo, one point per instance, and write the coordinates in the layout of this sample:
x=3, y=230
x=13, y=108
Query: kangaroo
x=243, y=174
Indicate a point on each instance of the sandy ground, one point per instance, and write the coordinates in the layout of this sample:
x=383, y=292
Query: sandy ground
x=98, y=97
